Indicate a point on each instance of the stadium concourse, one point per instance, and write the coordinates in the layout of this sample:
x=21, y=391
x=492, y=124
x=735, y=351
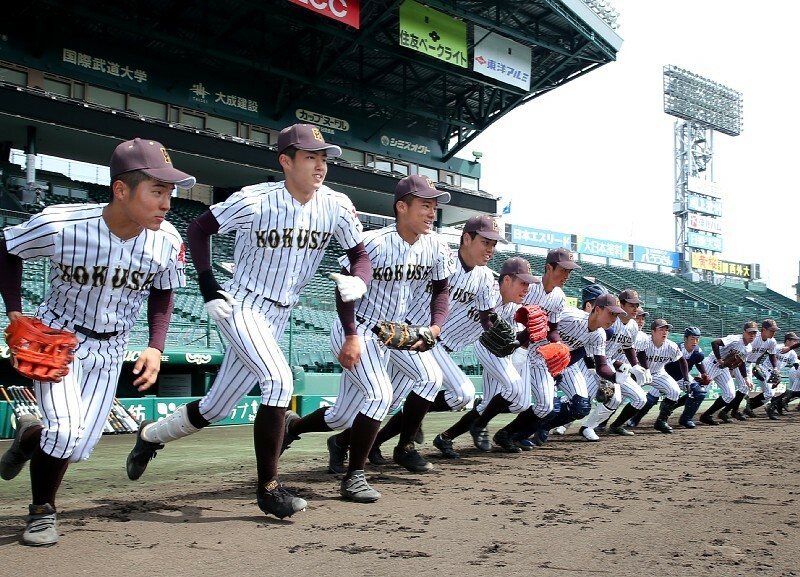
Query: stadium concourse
x=718, y=310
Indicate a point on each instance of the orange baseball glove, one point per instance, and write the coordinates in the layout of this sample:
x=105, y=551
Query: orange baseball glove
x=39, y=352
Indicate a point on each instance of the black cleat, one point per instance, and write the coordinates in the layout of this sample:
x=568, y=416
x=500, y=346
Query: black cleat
x=708, y=420
x=408, y=457
x=445, y=446
x=725, y=417
x=143, y=451
x=289, y=438
x=14, y=458
x=336, y=457
x=375, y=457
x=662, y=425
x=738, y=416
x=278, y=501
x=503, y=440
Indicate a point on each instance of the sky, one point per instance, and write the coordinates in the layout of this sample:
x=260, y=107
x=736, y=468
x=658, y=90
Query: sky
x=595, y=156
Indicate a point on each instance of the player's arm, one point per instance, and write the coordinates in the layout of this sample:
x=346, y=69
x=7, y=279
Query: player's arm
x=603, y=369
x=774, y=360
x=552, y=334
x=219, y=304
x=630, y=354
x=716, y=345
x=684, y=368
x=440, y=303
x=159, y=312
x=641, y=357
x=11, y=281
x=351, y=349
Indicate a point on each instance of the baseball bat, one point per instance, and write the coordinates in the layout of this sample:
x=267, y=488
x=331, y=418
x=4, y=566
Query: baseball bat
x=120, y=415
x=22, y=402
x=33, y=403
x=127, y=418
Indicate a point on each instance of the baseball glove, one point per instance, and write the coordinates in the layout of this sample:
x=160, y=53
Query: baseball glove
x=605, y=392
x=501, y=339
x=401, y=336
x=556, y=355
x=39, y=352
x=775, y=379
x=733, y=360
x=702, y=379
x=758, y=372
x=533, y=318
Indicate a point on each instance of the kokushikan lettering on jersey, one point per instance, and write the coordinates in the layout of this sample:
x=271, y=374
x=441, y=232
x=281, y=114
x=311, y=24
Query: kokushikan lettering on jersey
x=658, y=356
x=279, y=241
x=400, y=273
x=759, y=346
x=97, y=280
x=623, y=337
x=470, y=293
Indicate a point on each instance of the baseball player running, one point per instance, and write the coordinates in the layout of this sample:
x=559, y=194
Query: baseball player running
x=105, y=260
x=763, y=344
x=785, y=356
x=576, y=329
x=792, y=341
x=622, y=355
x=501, y=378
x=405, y=259
x=471, y=301
x=282, y=231
x=698, y=387
x=728, y=353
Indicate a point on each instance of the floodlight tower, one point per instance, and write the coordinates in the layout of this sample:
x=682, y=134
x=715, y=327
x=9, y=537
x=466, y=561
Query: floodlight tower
x=702, y=106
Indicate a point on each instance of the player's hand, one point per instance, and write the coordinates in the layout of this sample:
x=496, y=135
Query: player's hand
x=750, y=384
x=421, y=346
x=350, y=353
x=147, y=367
x=222, y=307
x=350, y=288
x=13, y=315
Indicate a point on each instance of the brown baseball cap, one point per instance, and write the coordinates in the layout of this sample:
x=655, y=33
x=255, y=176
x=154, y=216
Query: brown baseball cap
x=150, y=157
x=420, y=186
x=770, y=325
x=640, y=312
x=306, y=137
x=485, y=226
x=609, y=301
x=563, y=257
x=520, y=268
x=750, y=327
x=791, y=336
x=630, y=296
x=659, y=324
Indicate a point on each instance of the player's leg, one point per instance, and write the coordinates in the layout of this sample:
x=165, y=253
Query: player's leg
x=637, y=399
x=723, y=379
x=601, y=411
x=670, y=393
x=543, y=408
x=742, y=392
x=459, y=391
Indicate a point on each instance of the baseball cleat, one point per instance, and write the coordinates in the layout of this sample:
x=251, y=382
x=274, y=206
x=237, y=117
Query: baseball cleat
x=14, y=458
x=708, y=420
x=588, y=434
x=562, y=430
x=525, y=444
x=336, y=457
x=408, y=457
x=725, y=417
x=738, y=416
x=749, y=412
x=355, y=488
x=289, y=438
x=277, y=501
x=445, y=446
x=688, y=423
x=662, y=425
x=480, y=437
x=503, y=440
x=141, y=455
x=620, y=430
x=42, y=527
x=375, y=457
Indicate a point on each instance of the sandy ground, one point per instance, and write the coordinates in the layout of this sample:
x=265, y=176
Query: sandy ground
x=712, y=501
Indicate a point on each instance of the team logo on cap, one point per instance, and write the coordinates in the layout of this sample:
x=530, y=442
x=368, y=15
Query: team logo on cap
x=429, y=181
x=496, y=228
x=166, y=156
x=317, y=134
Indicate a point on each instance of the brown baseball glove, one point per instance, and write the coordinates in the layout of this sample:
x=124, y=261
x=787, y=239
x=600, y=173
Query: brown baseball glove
x=533, y=318
x=605, y=392
x=732, y=360
x=775, y=379
x=401, y=336
x=39, y=352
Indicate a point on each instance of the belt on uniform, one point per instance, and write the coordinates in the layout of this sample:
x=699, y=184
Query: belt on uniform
x=88, y=332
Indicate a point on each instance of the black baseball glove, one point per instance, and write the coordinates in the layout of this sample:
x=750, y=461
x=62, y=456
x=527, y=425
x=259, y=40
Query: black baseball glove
x=402, y=336
x=758, y=372
x=775, y=379
x=501, y=339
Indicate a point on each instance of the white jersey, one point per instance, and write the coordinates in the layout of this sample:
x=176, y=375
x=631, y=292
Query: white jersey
x=471, y=291
x=759, y=346
x=552, y=303
x=574, y=330
x=279, y=241
x=788, y=359
x=641, y=340
x=733, y=343
x=623, y=338
x=97, y=281
x=400, y=273
x=658, y=356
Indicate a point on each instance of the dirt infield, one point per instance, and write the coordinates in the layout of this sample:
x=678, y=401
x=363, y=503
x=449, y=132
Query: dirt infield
x=713, y=501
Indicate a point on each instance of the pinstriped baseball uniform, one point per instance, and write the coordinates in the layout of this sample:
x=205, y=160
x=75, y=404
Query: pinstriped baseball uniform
x=97, y=282
x=279, y=245
x=784, y=359
x=759, y=346
x=657, y=357
x=624, y=336
x=400, y=275
x=500, y=374
x=794, y=378
x=470, y=291
x=540, y=380
x=574, y=330
x=722, y=376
